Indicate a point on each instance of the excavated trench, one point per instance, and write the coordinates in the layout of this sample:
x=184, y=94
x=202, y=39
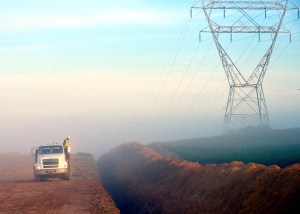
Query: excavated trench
x=142, y=181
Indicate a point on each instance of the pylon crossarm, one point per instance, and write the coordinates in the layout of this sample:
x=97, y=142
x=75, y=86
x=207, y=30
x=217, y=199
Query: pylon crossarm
x=263, y=64
x=235, y=5
x=244, y=29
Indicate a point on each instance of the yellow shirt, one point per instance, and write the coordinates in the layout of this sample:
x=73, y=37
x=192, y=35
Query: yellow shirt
x=66, y=143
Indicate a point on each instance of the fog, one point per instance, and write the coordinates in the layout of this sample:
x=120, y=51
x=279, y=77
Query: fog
x=102, y=110
x=98, y=134
x=108, y=73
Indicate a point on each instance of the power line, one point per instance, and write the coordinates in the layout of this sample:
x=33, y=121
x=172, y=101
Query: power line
x=202, y=89
x=213, y=94
x=194, y=75
x=284, y=49
x=182, y=79
x=210, y=97
x=218, y=98
x=173, y=51
x=204, y=85
x=224, y=79
x=178, y=87
x=169, y=71
x=167, y=77
x=222, y=82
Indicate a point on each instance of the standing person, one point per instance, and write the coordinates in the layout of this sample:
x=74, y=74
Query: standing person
x=66, y=145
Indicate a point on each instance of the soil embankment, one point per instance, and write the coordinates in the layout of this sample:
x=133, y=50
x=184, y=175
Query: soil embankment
x=84, y=193
x=142, y=181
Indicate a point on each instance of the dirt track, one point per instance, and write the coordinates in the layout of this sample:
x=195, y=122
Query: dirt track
x=82, y=194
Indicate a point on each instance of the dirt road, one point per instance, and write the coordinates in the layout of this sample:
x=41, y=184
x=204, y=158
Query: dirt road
x=82, y=194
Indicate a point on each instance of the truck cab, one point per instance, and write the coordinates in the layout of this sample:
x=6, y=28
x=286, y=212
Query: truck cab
x=50, y=161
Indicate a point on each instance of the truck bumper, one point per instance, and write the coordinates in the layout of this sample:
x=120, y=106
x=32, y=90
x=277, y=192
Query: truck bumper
x=50, y=172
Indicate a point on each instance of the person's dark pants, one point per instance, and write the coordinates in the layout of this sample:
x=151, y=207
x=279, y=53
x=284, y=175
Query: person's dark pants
x=67, y=155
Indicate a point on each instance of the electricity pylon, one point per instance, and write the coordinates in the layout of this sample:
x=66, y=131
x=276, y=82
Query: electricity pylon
x=246, y=104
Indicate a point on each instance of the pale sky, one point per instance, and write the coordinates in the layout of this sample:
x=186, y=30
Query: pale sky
x=105, y=73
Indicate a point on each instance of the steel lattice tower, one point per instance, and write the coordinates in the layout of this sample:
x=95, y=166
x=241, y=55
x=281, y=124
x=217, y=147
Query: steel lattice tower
x=246, y=105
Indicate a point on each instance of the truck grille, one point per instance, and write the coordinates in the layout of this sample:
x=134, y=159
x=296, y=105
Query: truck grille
x=50, y=163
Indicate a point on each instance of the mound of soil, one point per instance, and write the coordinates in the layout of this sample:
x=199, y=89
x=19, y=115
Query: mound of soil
x=142, y=181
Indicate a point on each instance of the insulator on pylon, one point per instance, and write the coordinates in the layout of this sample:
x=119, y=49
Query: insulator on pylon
x=265, y=13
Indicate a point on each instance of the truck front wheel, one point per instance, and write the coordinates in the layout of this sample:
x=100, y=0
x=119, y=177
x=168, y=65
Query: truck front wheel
x=37, y=178
x=67, y=175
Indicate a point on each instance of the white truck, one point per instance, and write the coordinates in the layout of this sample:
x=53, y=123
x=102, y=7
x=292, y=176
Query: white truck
x=50, y=161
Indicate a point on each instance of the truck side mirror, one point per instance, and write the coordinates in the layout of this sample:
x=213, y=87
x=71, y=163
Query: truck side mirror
x=33, y=151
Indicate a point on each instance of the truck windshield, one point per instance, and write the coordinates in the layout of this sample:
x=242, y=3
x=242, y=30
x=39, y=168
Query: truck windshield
x=50, y=150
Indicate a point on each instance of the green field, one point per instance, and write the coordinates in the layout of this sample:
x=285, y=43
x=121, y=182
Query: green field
x=267, y=146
